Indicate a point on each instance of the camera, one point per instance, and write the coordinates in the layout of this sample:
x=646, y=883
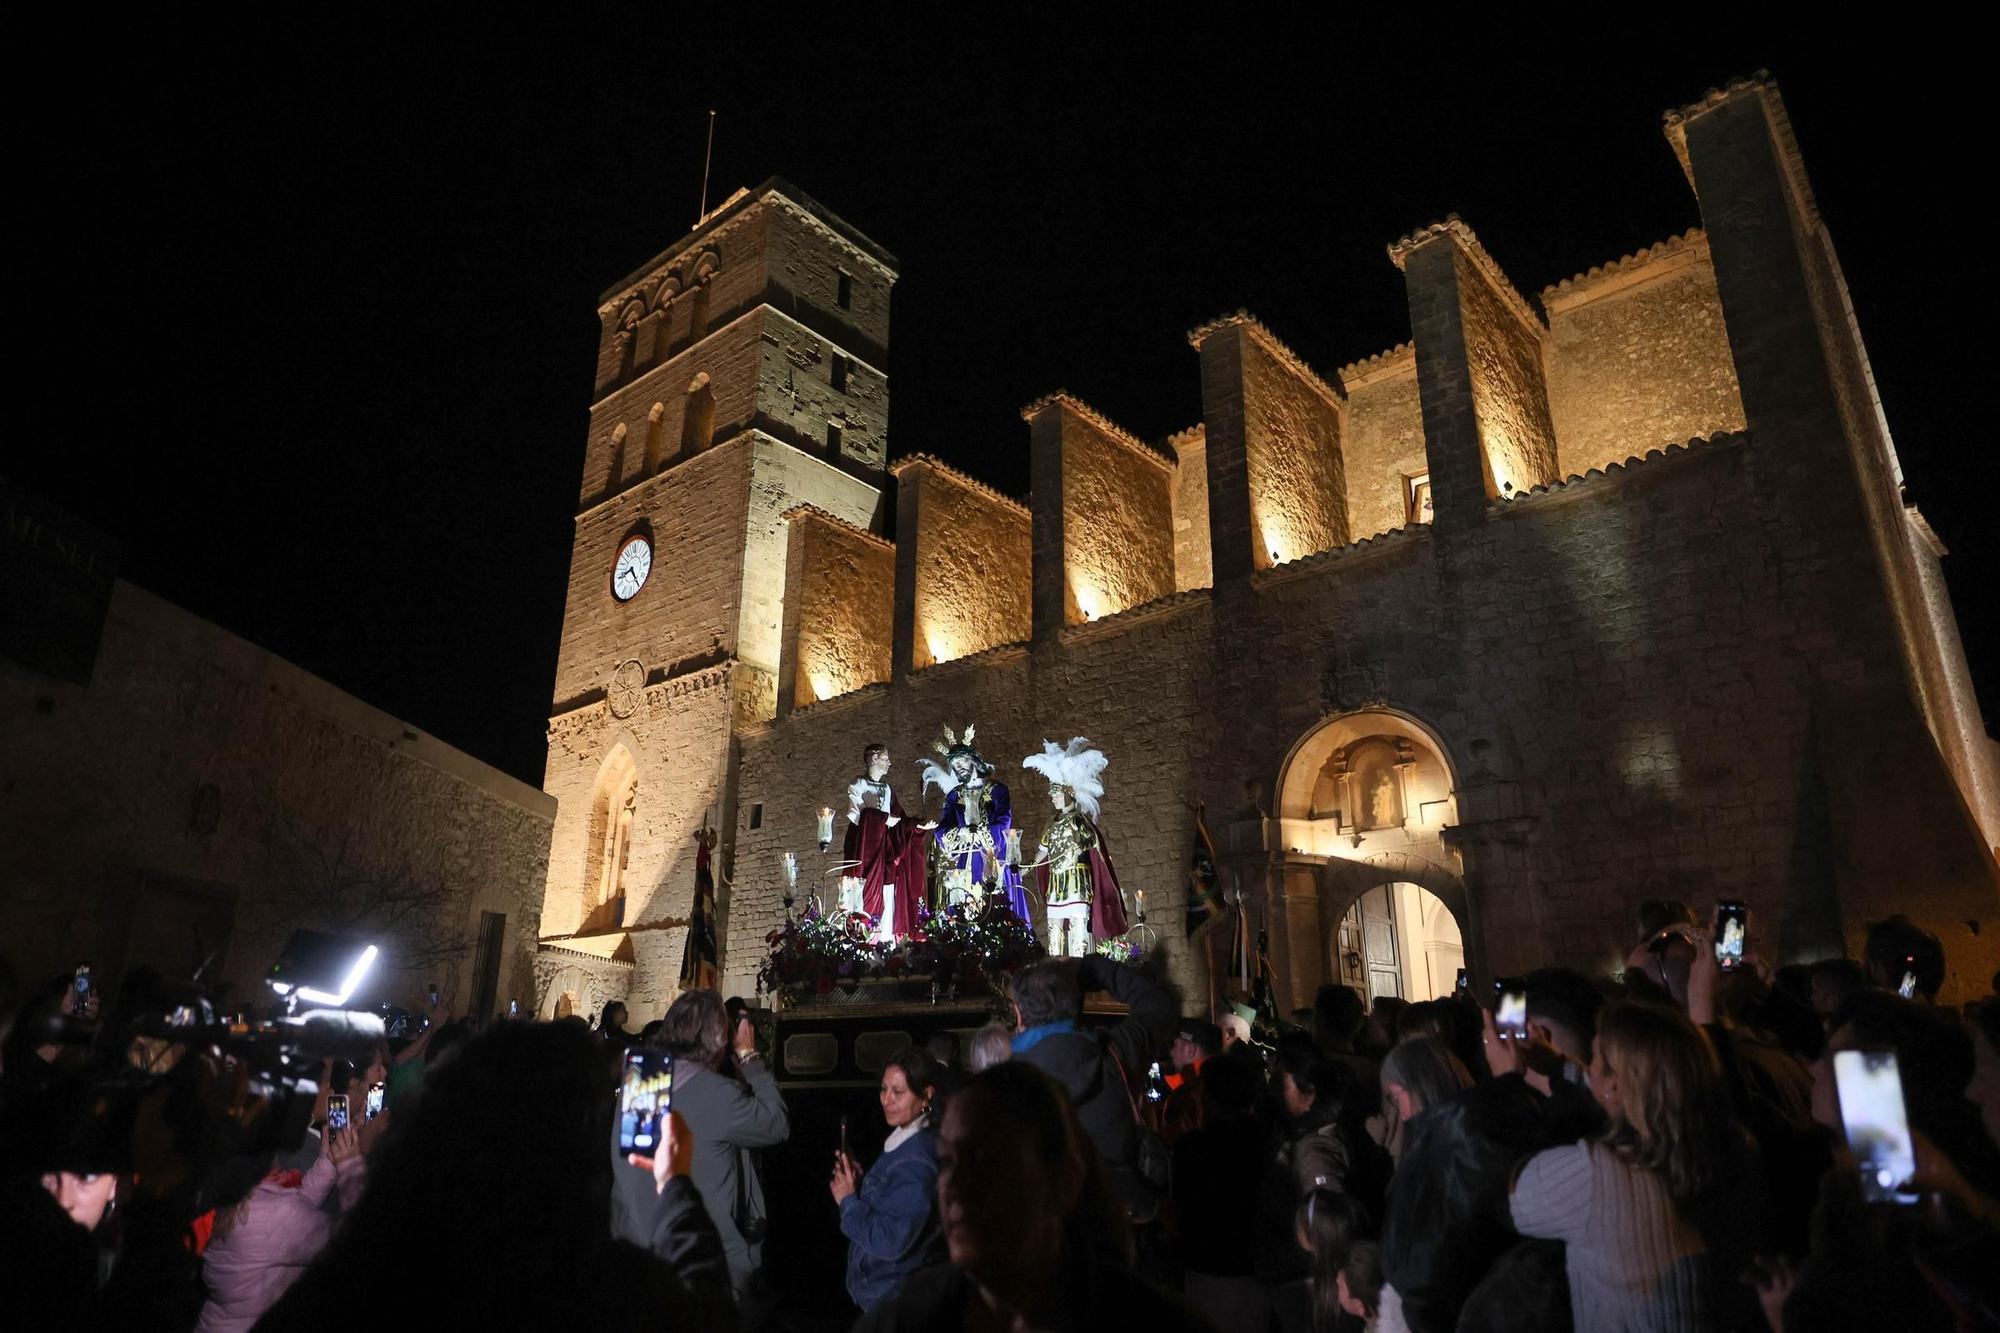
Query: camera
x=171, y=1051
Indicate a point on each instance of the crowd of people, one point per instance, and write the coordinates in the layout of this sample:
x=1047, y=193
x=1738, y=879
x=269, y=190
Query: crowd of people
x=1667, y=1150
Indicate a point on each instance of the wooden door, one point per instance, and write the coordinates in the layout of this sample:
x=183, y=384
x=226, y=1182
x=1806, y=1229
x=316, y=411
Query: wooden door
x=1378, y=943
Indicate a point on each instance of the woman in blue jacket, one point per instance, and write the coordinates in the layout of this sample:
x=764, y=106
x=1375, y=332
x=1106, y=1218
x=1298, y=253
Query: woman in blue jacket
x=889, y=1215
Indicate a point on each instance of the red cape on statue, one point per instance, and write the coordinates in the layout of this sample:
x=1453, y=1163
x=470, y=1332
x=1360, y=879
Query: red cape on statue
x=886, y=853
x=1107, y=903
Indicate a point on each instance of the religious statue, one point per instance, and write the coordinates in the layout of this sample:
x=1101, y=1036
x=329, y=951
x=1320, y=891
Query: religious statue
x=972, y=841
x=884, y=851
x=1085, y=904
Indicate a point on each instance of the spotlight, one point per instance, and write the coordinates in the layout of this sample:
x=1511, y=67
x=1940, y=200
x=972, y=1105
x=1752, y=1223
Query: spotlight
x=320, y=968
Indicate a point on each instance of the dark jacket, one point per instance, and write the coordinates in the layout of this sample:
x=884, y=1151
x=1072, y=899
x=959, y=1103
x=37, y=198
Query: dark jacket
x=1089, y=1067
x=891, y=1223
x=730, y=1120
x=1448, y=1216
x=1310, y=1153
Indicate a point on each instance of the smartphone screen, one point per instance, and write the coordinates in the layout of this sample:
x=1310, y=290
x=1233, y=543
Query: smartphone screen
x=375, y=1094
x=1871, y=1110
x=1908, y=986
x=1153, y=1092
x=513, y=1008
x=1731, y=921
x=82, y=982
x=434, y=995
x=644, y=1100
x=1510, y=1016
x=1464, y=983
x=336, y=1111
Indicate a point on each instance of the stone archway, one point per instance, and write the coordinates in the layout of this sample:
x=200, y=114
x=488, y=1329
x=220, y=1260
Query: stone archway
x=1344, y=883
x=1364, y=799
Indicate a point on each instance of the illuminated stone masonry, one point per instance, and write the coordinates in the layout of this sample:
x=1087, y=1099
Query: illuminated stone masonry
x=1553, y=608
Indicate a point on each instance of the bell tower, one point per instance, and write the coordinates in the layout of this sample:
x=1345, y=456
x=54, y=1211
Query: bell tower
x=739, y=373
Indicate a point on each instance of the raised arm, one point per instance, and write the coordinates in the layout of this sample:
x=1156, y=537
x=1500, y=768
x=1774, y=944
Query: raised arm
x=759, y=1118
x=1149, y=1025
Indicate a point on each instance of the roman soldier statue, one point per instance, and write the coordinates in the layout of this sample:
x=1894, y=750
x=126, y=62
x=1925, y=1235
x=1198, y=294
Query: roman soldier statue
x=884, y=851
x=972, y=831
x=1078, y=884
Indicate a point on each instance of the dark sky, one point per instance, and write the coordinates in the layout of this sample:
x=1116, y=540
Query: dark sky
x=323, y=297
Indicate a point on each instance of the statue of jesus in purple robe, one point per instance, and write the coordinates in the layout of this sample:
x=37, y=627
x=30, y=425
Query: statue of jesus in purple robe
x=972, y=831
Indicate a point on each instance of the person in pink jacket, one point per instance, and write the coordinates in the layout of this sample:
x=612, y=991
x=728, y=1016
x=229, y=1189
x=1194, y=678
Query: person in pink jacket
x=263, y=1243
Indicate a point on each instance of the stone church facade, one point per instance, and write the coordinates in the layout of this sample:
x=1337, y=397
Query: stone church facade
x=1560, y=606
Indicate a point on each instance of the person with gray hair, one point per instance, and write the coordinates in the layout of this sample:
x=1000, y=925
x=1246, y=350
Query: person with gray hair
x=1419, y=1074
x=991, y=1045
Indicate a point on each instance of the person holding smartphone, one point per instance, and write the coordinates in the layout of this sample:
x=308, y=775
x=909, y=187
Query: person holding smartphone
x=889, y=1212
x=1631, y=1203
x=262, y=1243
x=730, y=1102
x=1862, y=1270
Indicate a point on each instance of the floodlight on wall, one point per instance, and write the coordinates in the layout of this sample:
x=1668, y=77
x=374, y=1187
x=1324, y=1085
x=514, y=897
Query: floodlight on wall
x=320, y=968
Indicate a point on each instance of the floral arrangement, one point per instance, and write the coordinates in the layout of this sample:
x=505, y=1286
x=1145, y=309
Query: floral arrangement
x=1120, y=950
x=815, y=952
x=969, y=945
x=818, y=951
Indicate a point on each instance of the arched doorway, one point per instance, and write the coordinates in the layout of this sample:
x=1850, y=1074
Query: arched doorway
x=1363, y=802
x=1397, y=939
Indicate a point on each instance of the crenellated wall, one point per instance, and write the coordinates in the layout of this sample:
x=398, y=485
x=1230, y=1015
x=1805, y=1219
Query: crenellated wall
x=1192, y=565
x=1510, y=396
x=1384, y=440
x=840, y=604
x=963, y=553
x=1638, y=356
x=1291, y=439
x=1111, y=501
x=1681, y=672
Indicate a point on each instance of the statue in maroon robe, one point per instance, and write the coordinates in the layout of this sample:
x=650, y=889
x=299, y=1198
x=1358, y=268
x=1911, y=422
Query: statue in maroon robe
x=885, y=851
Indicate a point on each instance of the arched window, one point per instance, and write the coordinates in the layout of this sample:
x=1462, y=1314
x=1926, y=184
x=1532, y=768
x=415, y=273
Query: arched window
x=608, y=855
x=698, y=423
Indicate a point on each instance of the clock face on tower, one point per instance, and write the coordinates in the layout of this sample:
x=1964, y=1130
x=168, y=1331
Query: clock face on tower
x=629, y=571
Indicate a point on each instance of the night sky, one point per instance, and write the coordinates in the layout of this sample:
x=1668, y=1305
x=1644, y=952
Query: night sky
x=323, y=298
